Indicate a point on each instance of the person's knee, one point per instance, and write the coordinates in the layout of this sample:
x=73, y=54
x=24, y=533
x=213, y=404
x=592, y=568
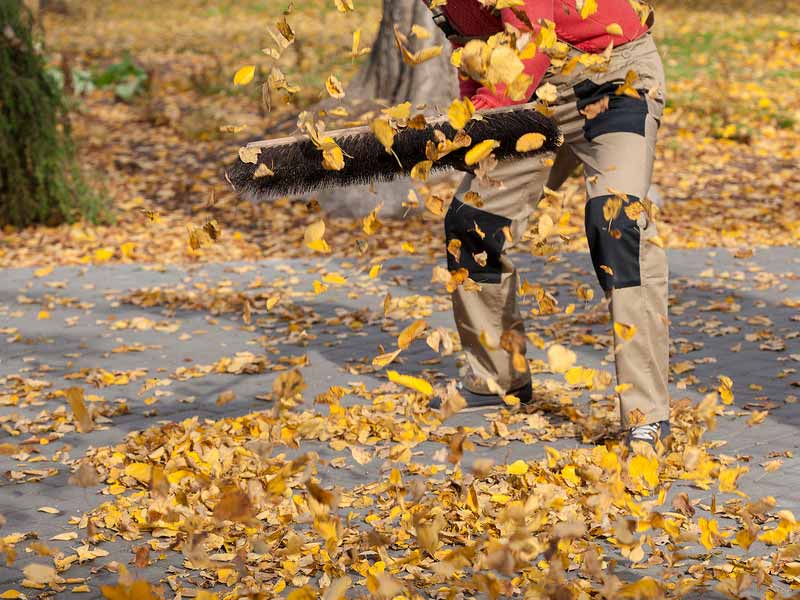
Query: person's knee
x=475, y=240
x=614, y=236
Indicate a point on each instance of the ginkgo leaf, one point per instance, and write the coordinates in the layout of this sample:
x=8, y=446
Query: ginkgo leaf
x=384, y=132
x=480, y=151
x=334, y=87
x=382, y=360
x=624, y=331
x=244, y=75
x=560, y=358
x=460, y=113
x=586, y=7
x=410, y=333
x=530, y=142
x=414, y=383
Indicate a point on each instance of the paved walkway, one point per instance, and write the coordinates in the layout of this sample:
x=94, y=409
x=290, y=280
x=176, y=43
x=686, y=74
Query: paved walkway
x=737, y=317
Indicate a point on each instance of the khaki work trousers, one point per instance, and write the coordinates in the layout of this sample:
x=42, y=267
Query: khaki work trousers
x=616, y=148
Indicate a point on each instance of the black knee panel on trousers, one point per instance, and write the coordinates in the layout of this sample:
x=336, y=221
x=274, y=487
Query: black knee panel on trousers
x=623, y=114
x=615, y=258
x=460, y=224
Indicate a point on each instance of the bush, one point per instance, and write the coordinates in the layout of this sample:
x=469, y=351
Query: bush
x=39, y=178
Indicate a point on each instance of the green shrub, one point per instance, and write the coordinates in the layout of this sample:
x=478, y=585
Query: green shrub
x=39, y=178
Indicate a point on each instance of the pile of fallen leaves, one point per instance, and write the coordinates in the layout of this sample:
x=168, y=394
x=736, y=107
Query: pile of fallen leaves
x=249, y=511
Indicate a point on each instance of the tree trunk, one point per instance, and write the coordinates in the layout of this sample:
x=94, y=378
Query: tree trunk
x=386, y=77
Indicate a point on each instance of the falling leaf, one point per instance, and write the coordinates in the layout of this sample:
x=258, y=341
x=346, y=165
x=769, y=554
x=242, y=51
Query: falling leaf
x=384, y=132
x=343, y=5
x=560, y=358
x=530, y=142
x=587, y=7
x=244, y=75
x=460, y=113
x=262, y=170
x=614, y=29
x=410, y=333
x=415, y=383
x=421, y=170
x=225, y=397
x=82, y=417
x=480, y=151
x=249, y=154
x=624, y=331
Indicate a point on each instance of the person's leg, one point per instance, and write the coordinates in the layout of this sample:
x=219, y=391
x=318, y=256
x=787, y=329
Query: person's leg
x=489, y=322
x=628, y=255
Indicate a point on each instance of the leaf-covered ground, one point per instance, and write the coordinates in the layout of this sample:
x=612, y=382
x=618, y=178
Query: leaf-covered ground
x=275, y=397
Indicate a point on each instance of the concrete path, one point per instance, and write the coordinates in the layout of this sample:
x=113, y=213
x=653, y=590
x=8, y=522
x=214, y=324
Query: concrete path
x=737, y=317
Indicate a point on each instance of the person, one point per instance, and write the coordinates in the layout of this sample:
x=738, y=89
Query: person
x=609, y=117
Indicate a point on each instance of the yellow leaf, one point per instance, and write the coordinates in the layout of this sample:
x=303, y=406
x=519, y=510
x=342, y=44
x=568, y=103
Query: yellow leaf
x=580, y=376
x=262, y=170
x=614, y=29
x=421, y=170
x=244, y=75
x=249, y=155
x=343, y=5
x=624, y=331
x=356, y=51
x=480, y=151
x=546, y=225
x=42, y=272
x=332, y=155
x=12, y=595
x=504, y=66
x=40, y=573
x=530, y=142
x=384, y=132
x=644, y=469
x=103, y=254
x=408, y=247
x=725, y=389
x=568, y=473
x=399, y=112
x=140, y=471
x=519, y=467
x=319, y=287
x=314, y=232
x=415, y=383
x=126, y=249
x=43, y=315
x=460, y=112
x=65, y=537
x=547, y=92
x=49, y=510
x=410, y=333
x=334, y=87
x=588, y=8
x=708, y=529
x=560, y=358
x=382, y=360
x=374, y=271
x=420, y=32
x=319, y=246
x=334, y=278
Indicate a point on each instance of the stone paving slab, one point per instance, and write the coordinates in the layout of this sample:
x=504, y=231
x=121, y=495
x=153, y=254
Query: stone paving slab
x=83, y=302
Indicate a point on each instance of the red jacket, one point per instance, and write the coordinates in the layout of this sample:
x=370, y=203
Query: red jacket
x=470, y=18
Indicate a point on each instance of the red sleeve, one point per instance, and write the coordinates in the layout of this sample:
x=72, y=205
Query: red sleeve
x=536, y=67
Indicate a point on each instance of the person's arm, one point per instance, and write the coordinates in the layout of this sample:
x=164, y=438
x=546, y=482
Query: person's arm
x=535, y=67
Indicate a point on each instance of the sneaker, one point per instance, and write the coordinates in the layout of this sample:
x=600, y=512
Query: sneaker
x=651, y=434
x=477, y=401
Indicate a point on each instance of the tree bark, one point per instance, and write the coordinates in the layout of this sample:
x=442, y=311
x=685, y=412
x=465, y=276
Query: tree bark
x=385, y=77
